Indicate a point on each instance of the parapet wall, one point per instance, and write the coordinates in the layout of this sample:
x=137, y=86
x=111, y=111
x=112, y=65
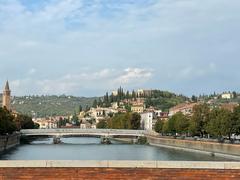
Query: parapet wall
x=9, y=141
x=118, y=170
x=212, y=147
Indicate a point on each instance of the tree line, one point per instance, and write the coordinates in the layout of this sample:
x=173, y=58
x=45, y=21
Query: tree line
x=204, y=122
x=121, y=121
x=10, y=123
x=149, y=95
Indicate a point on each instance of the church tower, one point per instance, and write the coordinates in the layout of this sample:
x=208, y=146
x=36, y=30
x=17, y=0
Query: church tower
x=7, y=97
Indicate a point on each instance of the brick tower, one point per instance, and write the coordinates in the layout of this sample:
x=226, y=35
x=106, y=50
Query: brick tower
x=7, y=97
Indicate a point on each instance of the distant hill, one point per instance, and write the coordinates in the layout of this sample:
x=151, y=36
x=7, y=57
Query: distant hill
x=43, y=106
x=164, y=100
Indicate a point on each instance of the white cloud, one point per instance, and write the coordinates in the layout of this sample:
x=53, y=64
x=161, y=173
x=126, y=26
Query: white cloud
x=134, y=76
x=176, y=38
x=193, y=72
x=102, y=80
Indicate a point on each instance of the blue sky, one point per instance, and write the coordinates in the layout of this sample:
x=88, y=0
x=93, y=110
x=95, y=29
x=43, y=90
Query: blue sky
x=88, y=47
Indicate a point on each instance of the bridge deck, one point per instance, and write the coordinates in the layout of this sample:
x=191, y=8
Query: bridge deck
x=94, y=132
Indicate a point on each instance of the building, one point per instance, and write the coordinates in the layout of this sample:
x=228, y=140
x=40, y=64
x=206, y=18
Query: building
x=114, y=105
x=46, y=123
x=147, y=119
x=227, y=96
x=158, y=113
x=185, y=108
x=163, y=116
x=6, y=99
x=142, y=92
x=137, y=108
x=100, y=113
x=114, y=93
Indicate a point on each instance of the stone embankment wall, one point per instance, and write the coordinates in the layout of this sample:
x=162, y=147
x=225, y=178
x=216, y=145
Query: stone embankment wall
x=9, y=141
x=212, y=147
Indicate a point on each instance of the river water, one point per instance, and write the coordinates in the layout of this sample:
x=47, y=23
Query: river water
x=86, y=148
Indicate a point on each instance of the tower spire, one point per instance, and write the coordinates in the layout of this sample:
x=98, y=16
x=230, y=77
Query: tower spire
x=7, y=97
x=7, y=86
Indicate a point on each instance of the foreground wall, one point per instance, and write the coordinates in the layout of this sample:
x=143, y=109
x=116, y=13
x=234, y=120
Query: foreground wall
x=213, y=147
x=114, y=173
x=9, y=141
x=118, y=170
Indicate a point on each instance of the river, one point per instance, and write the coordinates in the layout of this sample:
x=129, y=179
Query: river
x=87, y=148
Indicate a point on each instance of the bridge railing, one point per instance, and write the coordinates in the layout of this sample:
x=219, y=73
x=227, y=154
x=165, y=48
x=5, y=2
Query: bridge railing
x=83, y=131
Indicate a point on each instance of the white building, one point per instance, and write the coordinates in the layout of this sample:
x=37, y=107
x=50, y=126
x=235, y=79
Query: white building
x=147, y=120
x=114, y=105
x=227, y=96
x=101, y=113
x=114, y=93
x=158, y=113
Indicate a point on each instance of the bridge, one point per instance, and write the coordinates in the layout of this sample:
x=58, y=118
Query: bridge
x=83, y=132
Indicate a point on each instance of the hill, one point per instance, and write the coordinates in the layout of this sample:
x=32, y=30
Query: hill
x=42, y=106
x=164, y=100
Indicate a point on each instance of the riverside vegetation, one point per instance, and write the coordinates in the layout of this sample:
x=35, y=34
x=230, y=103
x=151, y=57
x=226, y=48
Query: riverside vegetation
x=10, y=123
x=205, y=122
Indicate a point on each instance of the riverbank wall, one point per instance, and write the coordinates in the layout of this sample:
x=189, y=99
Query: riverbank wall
x=212, y=148
x=9, y=141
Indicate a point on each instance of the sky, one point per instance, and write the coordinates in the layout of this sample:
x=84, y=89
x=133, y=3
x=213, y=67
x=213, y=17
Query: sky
x=88, y=47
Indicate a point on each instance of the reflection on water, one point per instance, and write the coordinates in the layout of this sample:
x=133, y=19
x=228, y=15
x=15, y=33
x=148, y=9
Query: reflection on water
x=86, y=148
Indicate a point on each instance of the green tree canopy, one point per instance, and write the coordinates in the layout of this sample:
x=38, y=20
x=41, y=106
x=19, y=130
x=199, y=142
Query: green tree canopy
x=181, y=123
x=7, y=124
x=159, y=126
x=102, y=124
x=135, y=121
x=199, y=119
x=219, y=124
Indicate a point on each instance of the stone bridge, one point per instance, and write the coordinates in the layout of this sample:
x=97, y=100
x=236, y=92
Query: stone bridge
x=83, y=132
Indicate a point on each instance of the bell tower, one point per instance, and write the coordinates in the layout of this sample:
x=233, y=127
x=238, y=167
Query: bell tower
x=7, y=97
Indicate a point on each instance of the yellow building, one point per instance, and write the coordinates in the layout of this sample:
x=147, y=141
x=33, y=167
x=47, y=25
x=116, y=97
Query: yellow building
x=139, y=108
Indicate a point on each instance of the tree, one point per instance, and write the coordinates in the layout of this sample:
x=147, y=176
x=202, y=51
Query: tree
x=75, y=120
x=220, y=123
x=181, y=123
x=87, y=108
x=62, y=122
x=194, y=98
x=7, y=125
x=95, y=103
x=135, y=121
x=159, y=126
x=102, y=124
x=165, y=128
x=170, y=126
x=234, y=94
x=80, y=109
x=120, y=121
x=25, y=122
x=199, y=119
x=235, y=122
